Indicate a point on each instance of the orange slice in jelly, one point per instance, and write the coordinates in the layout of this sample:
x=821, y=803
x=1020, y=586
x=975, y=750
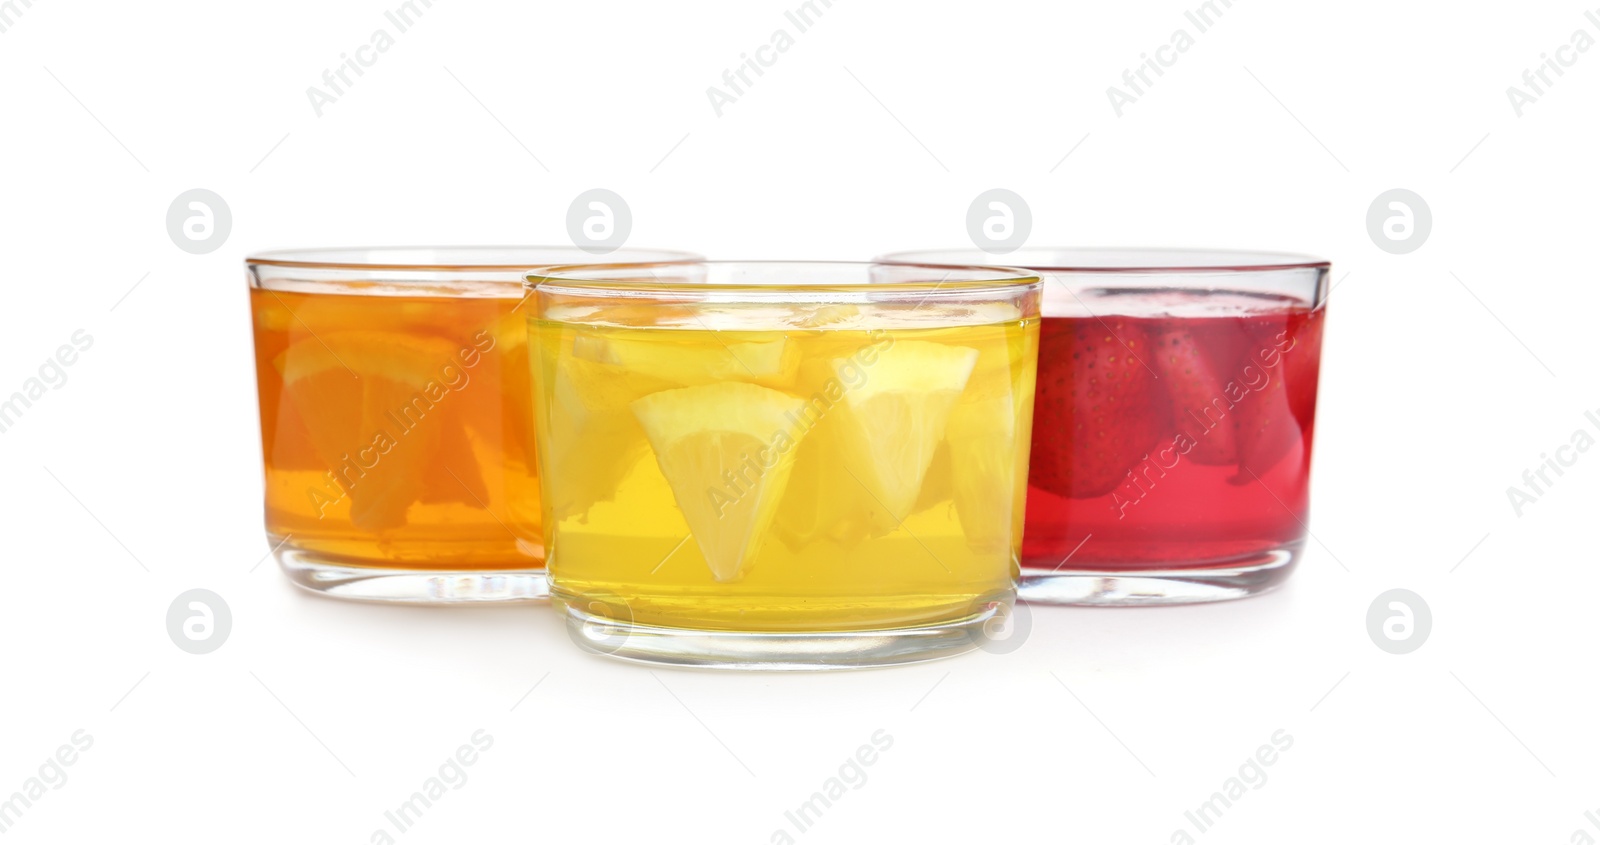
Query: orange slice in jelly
x=374, y=409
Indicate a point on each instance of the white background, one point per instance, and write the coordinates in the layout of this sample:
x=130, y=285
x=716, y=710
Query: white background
x=874, y=132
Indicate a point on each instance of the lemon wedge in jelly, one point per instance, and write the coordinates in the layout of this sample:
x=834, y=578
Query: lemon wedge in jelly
x=893, y=422
x=727, y=451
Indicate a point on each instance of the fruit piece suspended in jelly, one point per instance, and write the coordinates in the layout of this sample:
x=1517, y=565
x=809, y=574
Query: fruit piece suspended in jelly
x=727, y=451
x=894, y=421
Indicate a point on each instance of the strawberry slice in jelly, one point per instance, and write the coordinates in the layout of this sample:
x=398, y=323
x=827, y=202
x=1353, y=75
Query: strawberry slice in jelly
x=1098, y=410
x=1198, y=388
x=1276, y=420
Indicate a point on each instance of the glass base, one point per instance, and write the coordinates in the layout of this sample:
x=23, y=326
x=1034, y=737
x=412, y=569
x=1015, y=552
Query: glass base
x=774, y=651
x=1110, y=586
x=411, y=586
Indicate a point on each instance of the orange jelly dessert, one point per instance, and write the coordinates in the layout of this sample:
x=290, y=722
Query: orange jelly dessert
x=396, y=429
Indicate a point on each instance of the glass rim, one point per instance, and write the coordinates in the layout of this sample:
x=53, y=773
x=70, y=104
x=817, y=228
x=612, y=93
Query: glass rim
x=1129, y=259
x=491, y=258
x=595, y=279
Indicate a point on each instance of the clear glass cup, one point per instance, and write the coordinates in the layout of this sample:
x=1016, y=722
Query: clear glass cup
x=1171, y=453
x=396, y=427
x=782, y=465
